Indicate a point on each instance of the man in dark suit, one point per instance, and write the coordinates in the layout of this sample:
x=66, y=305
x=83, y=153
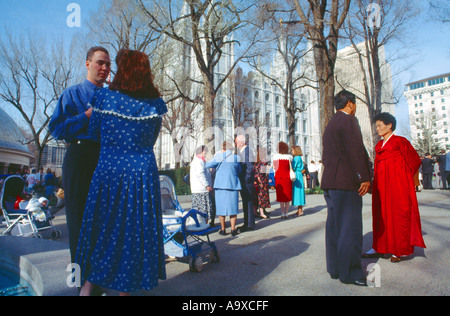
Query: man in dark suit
x=247, y=177
x=427, y=171
x=441, y=159
x=346, y=178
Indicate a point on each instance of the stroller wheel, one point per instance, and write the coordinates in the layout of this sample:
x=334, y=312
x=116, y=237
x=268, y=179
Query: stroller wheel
x=216, y=255
x=196, y=265
x=56, y=234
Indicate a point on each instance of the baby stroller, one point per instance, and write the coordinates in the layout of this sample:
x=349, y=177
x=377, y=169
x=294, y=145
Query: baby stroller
x=27, y=221
x=185, y=232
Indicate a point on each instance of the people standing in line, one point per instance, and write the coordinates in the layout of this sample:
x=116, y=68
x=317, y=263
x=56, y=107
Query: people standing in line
x=261, y=171
x=395, y=210
x=283, y=182
x=70, y=122
x=226, y=186
x=442, y=160
x=345, y=180
x=121, y=244
x=247, y=178
x=313, y=174
x=427, y=172
x=200, y=182
x=298, y=187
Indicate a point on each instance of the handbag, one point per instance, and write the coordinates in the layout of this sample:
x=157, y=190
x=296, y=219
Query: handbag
x=292, y=173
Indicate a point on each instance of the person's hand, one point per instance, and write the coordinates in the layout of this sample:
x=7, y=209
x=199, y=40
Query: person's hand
x=88, y=113
x=208, y=188
x=364, y=188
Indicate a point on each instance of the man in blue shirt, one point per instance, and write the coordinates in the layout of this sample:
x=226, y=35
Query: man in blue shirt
x=70, y=122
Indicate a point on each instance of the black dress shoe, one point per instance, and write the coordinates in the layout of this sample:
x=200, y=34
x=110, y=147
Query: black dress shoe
x=234, y=232
x=366, y=255
x=360, y=282
x=222, y=232
x=244, y=229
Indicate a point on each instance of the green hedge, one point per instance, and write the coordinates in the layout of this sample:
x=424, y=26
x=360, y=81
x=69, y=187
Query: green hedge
x=177, y=176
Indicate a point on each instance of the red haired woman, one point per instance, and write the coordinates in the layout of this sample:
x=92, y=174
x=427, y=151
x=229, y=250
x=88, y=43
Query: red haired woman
x=120, y=245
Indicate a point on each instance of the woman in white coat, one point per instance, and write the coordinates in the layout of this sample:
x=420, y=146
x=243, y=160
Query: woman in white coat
x=200, y=181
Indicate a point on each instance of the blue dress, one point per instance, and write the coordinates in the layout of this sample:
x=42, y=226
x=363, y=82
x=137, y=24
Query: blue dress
x=121, y=243
x=226, y=183
x=298, y=187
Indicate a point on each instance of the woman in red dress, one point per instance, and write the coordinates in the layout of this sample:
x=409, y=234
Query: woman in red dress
x=396, y=220
x=283, y=183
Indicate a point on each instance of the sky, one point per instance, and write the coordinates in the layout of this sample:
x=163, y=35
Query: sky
x=49, y=17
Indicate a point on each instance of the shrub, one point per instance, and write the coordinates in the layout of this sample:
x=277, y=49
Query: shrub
x=177, y=176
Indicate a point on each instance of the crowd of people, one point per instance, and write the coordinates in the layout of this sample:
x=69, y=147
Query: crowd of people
x=112, y=191
x=39, y=181
x=216, y=184
x=437, y=167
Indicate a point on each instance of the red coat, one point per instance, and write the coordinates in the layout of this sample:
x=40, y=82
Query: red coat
x=396, y=220
x=283, y=183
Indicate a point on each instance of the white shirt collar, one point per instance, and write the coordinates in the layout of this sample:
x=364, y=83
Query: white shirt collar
x=385, y=141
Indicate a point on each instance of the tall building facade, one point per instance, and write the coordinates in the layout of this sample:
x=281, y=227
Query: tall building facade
x=429, y=112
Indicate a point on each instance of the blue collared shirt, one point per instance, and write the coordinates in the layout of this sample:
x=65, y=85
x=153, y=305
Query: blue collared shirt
x=69, y=122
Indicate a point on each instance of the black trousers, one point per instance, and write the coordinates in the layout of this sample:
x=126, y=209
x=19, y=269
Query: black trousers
x=247, y=193
x=427, y=178
x=79, y=164
x=343, y=235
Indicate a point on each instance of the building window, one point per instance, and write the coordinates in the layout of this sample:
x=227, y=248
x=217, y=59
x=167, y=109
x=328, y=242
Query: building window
x=416, y=86
x=435, y=81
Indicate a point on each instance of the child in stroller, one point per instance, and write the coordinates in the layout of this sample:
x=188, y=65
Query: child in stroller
x=30, y=218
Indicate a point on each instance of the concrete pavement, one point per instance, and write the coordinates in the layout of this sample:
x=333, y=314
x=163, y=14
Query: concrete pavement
x=287, y=257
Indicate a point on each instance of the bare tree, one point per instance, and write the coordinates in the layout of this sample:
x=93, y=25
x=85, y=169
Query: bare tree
x=208, y=28
x=238, y=92
x=375, y=29
x=289, y=50
x=31, y=82
x=440, y=9
x=425, y=134
x=318, y=17
x=121, y=24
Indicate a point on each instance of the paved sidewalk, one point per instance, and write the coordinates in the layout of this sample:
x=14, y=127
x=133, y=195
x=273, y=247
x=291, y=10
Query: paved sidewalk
x=286, y=257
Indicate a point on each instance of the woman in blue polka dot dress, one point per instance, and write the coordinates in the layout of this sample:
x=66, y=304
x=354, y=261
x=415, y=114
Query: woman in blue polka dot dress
x=121, y=244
